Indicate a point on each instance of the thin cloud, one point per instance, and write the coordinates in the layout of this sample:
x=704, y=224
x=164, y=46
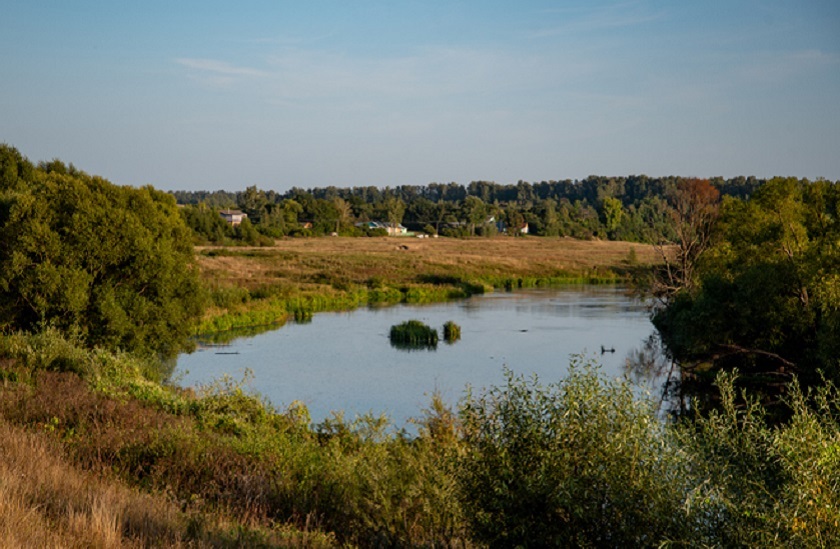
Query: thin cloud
x=428, y=74
x=599, y=18
x=289, y=40
x=218, y=68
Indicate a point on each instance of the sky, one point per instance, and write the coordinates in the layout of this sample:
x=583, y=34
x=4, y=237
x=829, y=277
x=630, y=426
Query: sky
x=216, y=95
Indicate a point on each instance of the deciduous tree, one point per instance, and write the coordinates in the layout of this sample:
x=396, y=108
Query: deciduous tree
x=694, y=209
x=112, y=264
x=766, y=296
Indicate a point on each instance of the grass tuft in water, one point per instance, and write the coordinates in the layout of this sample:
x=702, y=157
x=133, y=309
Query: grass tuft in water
x=451, y=332
x=413, y=334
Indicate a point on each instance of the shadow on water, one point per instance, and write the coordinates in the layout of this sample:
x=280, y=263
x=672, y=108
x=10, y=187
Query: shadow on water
x=221, y=339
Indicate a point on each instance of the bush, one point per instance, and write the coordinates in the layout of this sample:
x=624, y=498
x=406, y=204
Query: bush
x=576, y=463
x=229, y=296
x=768, y=486
x=581, y=462
x=112, y=265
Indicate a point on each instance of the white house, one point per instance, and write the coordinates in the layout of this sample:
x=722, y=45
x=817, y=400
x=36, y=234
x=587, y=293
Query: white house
x=233, y=217
x=393, y=230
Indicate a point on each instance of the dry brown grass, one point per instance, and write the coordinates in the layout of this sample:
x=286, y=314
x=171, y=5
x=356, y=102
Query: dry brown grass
x=400, y=260
x=47, y=502
x=60, y=487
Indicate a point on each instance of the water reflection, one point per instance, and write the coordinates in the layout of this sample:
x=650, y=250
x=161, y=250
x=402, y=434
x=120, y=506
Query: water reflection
x=647, y=362
x=408, y=346
x=649, y=365
x=225, y=338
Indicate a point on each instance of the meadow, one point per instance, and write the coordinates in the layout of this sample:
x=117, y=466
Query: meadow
x=408, y=260
x=253, y=286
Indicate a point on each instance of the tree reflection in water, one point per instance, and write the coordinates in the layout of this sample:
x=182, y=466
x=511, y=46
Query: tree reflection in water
x=649, y=366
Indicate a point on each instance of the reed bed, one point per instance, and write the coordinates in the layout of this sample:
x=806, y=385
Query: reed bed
x=413, y=334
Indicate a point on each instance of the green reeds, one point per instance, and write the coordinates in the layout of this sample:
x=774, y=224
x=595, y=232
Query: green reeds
x=451, y=332
x=413, y=334
x=303, y=316
x=275, y=304
x=518, y=283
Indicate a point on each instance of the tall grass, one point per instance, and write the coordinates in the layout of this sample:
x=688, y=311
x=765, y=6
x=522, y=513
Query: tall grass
x=47, y=501
x=275, y=307
x=224, y=452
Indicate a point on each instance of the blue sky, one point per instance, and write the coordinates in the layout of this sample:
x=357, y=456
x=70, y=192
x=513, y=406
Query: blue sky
x=223, y=95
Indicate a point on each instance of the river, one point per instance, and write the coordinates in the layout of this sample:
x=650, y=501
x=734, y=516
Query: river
x=344, y=361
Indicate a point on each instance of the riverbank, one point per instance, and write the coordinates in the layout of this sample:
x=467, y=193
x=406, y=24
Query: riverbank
x=298, y=277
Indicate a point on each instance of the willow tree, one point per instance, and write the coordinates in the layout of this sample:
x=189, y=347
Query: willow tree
x=112, y=264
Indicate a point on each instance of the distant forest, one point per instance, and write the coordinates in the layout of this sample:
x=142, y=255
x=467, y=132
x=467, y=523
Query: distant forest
x=633, y=208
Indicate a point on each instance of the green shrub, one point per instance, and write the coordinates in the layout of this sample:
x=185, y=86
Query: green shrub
x=229, y=296
x=49, y=349
x=581, y=462
x=768, y=486
x=578, y=463
x=111, y=265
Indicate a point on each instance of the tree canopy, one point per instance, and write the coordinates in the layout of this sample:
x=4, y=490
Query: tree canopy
x=767, y=296
x=112, y=264
x=633, y=208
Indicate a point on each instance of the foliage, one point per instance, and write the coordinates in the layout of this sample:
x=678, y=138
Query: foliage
x=633, y=208
x=613, y=212
x=695, y=204
x=227, y=451
x=207, y=224
x=577, y=463
x=768, y=486
x=768, y=294
x=111, y=264
x=581, y=462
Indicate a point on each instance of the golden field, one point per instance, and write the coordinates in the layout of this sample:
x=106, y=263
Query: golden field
x=404, y=260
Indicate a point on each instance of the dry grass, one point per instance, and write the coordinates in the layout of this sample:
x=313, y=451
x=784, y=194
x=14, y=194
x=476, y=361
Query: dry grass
x=59, y=483
x=47, y=502
x=402, y=260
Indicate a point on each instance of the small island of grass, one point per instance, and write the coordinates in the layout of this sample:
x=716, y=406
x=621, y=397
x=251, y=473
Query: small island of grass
x=413, y=334
x=451, y=332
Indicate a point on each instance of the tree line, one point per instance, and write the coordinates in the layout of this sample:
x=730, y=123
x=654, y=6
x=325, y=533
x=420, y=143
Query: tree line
x=633, y=208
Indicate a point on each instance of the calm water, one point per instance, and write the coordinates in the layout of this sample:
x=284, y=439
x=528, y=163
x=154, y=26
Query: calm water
x=344, y=361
